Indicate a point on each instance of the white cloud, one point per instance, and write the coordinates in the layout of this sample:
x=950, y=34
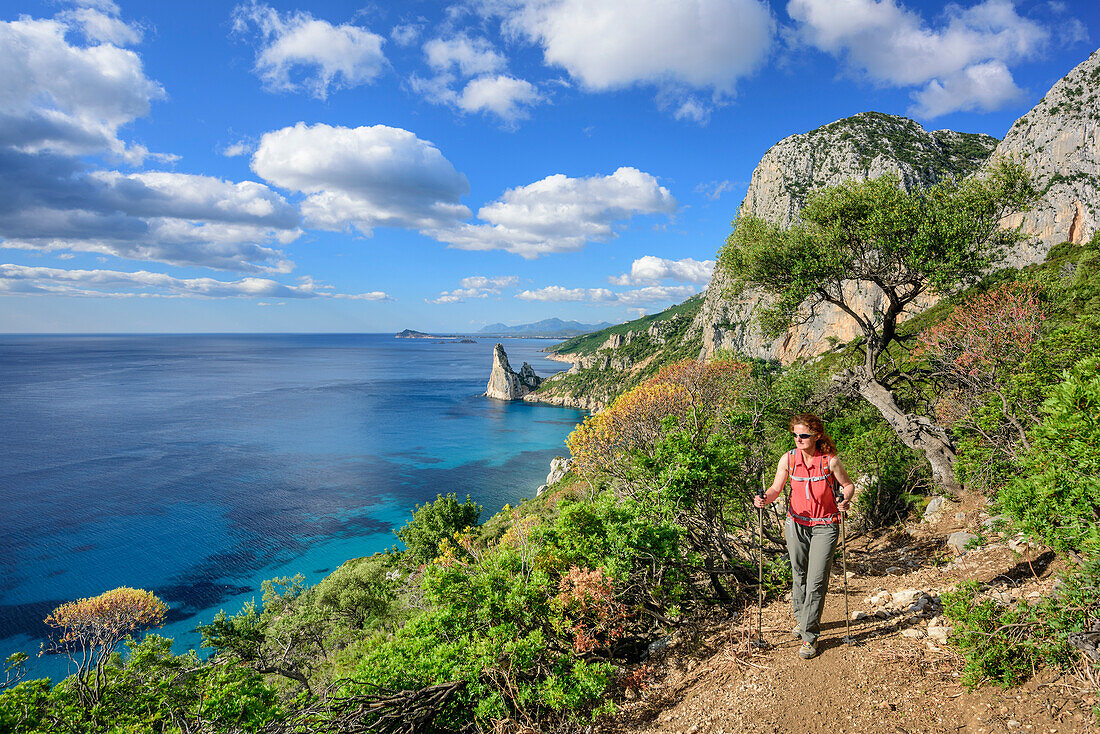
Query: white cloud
x=692, y=109
x=650, y=294
x=556, y=293
x=656, y=294
x=234, y=150
x=470, y=56
x=102, y=25
x=982, y=87
x=609, y=44
x=405, y=34
x=476, y=286
x=19, y=279
x=70, y=99
x=459, y=295
x=561, y=214
x=486, y=90
x=60, y=101
x=962, y=63
x=363, y=177
x=714, y=189
x=650, y=270
x=504, y=96
x=324, y=57
x=494, y=283
x=52, y=204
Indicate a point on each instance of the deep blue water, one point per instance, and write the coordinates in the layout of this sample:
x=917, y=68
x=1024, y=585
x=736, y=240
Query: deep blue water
x=197, y=466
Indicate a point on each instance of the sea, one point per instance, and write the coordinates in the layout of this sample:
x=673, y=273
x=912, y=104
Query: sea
x=198, y=466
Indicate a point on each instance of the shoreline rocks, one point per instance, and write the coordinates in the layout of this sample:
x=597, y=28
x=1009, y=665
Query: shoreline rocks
x=507, y=384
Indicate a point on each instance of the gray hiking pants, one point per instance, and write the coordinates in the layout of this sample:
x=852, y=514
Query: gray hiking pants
x=811, y=552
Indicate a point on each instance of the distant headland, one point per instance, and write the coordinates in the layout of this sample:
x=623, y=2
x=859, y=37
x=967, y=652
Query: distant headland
x=545, y=329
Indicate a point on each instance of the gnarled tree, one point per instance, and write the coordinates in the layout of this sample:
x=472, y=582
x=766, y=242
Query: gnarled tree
x=90, y=629
x=887, y=242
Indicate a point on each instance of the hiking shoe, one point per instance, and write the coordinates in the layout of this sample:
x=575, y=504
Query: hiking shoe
x=807, y=651
x=796, y=632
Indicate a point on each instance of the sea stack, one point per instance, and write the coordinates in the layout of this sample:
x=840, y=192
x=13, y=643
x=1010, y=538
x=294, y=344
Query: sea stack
x=507, y=384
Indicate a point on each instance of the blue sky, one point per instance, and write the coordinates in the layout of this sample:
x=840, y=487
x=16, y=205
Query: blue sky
x=325, y=166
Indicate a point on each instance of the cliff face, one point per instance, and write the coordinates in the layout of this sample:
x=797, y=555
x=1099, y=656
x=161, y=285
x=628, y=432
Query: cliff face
x=1058, y=142
x=507, y=384
x=606, y=363
x=864, y=146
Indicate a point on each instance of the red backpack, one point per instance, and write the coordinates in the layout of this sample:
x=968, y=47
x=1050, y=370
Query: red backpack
x=813, y=501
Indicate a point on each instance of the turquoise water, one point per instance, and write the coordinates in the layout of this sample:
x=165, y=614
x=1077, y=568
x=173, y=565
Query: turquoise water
x=199, y=466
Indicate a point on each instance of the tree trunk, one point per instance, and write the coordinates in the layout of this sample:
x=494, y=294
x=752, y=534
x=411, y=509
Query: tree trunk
x=915, y=431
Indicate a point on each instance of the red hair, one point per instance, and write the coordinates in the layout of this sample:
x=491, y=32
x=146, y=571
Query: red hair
x=825, y=444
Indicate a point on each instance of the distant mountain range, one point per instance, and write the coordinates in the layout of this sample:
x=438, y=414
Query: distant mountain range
x=547, y=327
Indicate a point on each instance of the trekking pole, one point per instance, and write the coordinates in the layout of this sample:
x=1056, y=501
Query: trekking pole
x=759, y=641
x=848, y=640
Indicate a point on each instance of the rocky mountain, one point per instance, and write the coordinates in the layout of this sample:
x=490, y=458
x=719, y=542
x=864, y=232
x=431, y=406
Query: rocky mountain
x=555, y=328
x=863, y=146
x=1058, y=142
x=507, y=384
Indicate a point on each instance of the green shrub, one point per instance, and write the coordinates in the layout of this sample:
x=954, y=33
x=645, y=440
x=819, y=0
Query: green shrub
x=1055, y=492
x=435, y=521
x=361, y=591
x=1006, y=644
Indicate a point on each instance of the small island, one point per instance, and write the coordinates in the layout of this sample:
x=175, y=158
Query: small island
x=411, y=334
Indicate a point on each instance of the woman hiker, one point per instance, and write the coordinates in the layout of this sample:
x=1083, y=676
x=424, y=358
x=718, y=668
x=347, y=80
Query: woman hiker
x=812, y=525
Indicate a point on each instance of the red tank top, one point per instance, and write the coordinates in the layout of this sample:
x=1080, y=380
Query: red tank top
x=812, y=498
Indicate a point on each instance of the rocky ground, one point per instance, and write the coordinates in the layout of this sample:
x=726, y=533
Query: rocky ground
x=898, y=676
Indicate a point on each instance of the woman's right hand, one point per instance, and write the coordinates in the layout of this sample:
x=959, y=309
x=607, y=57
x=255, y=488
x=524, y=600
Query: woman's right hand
x=759, y=501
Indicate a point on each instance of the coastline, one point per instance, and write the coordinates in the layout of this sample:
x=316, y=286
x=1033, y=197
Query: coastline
x=289, y=454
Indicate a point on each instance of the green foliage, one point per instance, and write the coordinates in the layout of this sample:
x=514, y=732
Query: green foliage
x=589, y=343
x=1006, y=643
x=23, y=707
x=152, y=690
x=777, y=576
x=435, y=521
x=690, y=469
x=1056, y=493
x=642, y=358
x=360, y=591
x=495, y=617
x=905, y=241
x=875, y=457
x=620, y=535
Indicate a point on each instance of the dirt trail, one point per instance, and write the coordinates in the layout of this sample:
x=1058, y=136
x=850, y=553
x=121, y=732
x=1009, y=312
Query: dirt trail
x=896, y=679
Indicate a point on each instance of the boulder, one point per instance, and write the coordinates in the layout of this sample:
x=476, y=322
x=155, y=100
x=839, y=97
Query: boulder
x=933, y=508
x=906, y=597
x=959, y=540
x=559, y=465
x=939, y=634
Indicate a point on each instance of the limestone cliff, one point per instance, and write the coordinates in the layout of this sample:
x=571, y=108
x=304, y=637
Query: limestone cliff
x=507, y=384
x=863, y=146
x=1058, y=142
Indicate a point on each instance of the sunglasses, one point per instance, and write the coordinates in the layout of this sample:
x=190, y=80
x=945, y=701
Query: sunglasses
x=802, y=435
